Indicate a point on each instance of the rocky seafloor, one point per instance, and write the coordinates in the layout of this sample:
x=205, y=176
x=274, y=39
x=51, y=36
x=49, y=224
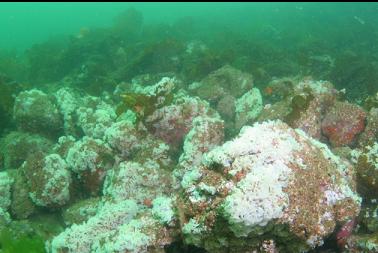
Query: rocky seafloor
x=216, y=167
x=140, y=138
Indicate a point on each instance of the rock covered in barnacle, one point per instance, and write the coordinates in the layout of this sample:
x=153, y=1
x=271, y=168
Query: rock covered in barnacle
x=149, y=178
x=68, y=101
x=63, y=145
x=126, y=138
x=309, y=104
x=16, y=146
x=247, y=108
x=144, y=100
x=149, y=171
x=371, y=131
x=366, y=161
x=269, y=186
x=234, y=98
x=142, y=234
x=161, y=90
x=82, y=237
x=155, y=153
x=270, y=179
x=22, y=206
x=34, y=111
x=48, y=179
x=172, y=122
x=120, y=227
x=95, y=116
x=81, y=211
x=206, y=134
x=343, y=123
x=90, y=159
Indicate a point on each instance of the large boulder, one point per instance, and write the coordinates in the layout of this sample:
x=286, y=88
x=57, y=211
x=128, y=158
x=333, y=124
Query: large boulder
x=35, y=111
x=269, y=183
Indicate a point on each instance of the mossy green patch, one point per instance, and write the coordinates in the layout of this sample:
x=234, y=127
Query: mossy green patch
x=371, y=102
x=299, y=104
x=141, y=104
x=23, y=243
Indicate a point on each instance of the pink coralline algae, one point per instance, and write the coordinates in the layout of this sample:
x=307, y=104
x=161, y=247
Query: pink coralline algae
x=343, y=123
x=344, y=233
x=171, y=123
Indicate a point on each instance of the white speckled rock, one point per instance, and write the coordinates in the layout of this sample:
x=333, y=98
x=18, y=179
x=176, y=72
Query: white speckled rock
x=269, y=178
x=90, y=159
x=49, y=180
x=34, y=111
x=248, y=107
x=95, y=116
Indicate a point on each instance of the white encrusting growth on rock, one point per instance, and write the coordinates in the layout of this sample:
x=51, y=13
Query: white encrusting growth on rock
x=163, y=209
x=124, y=137
x=248, y=107
x=263, y=153
x=57, y=180
x=82, y=238
x=96, y=119
x=5, y=190
x=84, y=154
x=258, y=181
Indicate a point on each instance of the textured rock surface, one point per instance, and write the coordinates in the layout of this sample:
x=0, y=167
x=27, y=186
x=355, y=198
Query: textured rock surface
x=125, y=138
x=271, y=181
x=300, y=103
x=5, y=190
x=5, y=197
x=155, y=173
x=35, y=112
x=206, y=134
x=228, y=80
x=343, y=123
x=15, y=147
x=366, y=160
x=247, y=108
x=48, y=179
x=95, y=116
x=371, y=131
x=312, y=101
x=150, y=181
x=81, y=211
x=22, y=206
x=117, y=227
x=172, y=122
x=68, y=101
x=90, y=159
x=81, y=238
x=362, y=243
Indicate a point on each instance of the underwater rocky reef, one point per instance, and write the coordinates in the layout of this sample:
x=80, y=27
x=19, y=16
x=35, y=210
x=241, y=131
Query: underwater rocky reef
x=161, y=166
x=169, y=146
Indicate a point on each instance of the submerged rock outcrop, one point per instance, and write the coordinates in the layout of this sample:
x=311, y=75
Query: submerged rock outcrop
x=154, y=170
x=270, y=183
